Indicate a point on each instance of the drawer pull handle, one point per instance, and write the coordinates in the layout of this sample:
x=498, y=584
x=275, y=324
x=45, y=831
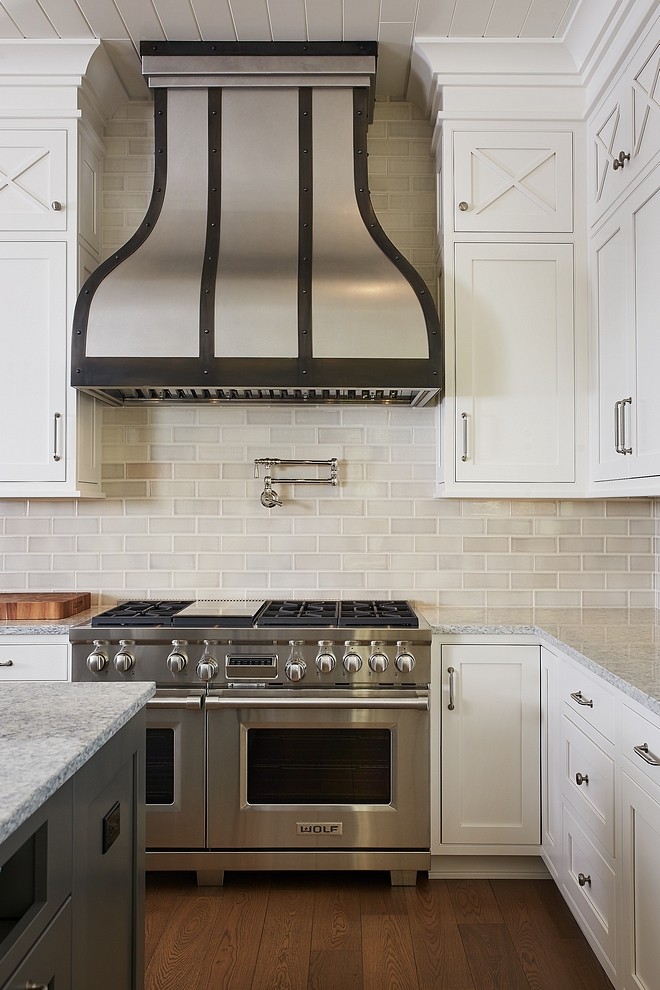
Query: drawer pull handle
x=582, y=880
x=452, y=698
x=581, y=778
x=581, y=700
x=646, y=755
x=7, y=663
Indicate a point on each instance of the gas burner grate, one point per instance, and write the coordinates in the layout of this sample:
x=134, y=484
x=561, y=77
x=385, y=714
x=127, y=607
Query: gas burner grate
x=145, y=613
x=297, y=613
x=358, y=614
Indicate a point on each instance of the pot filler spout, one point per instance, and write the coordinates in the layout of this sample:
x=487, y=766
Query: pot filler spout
x=260, y=271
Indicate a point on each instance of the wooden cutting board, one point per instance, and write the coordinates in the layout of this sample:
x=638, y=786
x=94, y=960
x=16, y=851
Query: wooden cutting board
x=43, y=605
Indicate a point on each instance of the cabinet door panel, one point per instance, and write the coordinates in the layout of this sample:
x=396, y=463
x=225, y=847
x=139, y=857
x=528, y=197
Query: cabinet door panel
x=513, y=181
x=514, y=363
x=490, y=745
x=609, y=134
x=612, y=305
x=32, y=178
x=641, y=887
x=33, y=345
x=88, y=204
x=645, y=439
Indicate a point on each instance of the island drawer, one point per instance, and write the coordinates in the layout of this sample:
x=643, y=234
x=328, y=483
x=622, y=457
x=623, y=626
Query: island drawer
x=590, y=698
x=34, y=661
x=640, y=741
x=589, y=782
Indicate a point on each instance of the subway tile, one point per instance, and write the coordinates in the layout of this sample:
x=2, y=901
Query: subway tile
x=394, y=508
x=486, y=507
x=640, y=527
x=317, y=525
x=27, y=562
x=100, y=542
x=533, y=508
x=582, y=580
x=642, y=563
x=416, y=526
x=153, y=507
x=124, y=562
x=341, y=507
x=30, y=525
x=629, y=544
x=640, y=508
x=367, y=562
x=478, y=579
x=605, y=562
x=485, y=544
x=244, y=579
x=46, y=507
x=509, y=562
x=270, y=416
x=220, y=561
x=601, y=599
x=601, y=526
x=533, y=580
x=218, y=524
x=196, y=507
x=51, y=544
x=143, y=583
x=581, y=544
x=75, y=561
x=510, y=599
x=509, y=526
x=461, y=562
x=169, y=524
x=557, y=562
x=340, y=581
x=244, y=544
x=556, y=527
x=389, y=544
x=260, y=561
x=342, y=544
x=147, y=544
x=295, y=544
x=639, y=580
x=281, y=582
x=558, y=599
x=47, y=581
x=187, y=543
x=437, y=579
x=198, y=470
x=439, y=544
x=533, y=544
x=361, y=524
x=317, y=561
x=122, y=524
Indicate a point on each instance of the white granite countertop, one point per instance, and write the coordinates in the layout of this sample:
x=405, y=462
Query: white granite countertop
x=620, y=645
x=48, y=731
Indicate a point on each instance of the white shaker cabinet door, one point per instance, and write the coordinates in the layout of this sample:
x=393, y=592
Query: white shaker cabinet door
x=33, y=180
x=490, y=744
x=33, y=348
x=515, y=378
x=612, y=305
x=641, y=887
x=513, y=181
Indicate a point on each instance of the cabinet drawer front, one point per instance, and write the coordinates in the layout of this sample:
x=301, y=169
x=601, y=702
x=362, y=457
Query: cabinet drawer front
x=594, y=797
x=588, y=698
x=48, y=964
x=40, y=662
x=594, y=900
x=640, y=742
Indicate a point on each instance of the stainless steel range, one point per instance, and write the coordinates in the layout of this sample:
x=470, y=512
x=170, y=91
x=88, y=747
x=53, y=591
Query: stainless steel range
x=283, y=735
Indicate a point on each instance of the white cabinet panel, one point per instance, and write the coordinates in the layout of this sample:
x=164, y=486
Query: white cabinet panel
x=514, y=414
x=89, y=177
x=32, y=179
x=590, y=699
x=589, y=783
x=490, y=744
x=609, y=135
x=39, y=661
x=641, y=886
x=510, y=181
x=33, y=345
x=550, y=763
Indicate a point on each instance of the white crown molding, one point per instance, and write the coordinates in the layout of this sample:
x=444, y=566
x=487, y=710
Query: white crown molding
x=20, y=57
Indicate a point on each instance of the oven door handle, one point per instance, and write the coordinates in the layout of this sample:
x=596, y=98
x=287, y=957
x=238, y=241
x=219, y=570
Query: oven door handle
x=191, y=702
x=419, y=703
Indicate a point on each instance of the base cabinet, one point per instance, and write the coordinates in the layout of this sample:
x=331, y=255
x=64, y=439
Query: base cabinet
x=72, y=879
x=641, y=887
x=490, y=744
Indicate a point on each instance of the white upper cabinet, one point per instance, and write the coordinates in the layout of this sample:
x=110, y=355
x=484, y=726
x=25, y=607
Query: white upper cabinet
x=33, y=180
x=625, y=264
x=624, y=133
x=89, y=179
x=514, y=409
x=33, y=343
x=513, y=181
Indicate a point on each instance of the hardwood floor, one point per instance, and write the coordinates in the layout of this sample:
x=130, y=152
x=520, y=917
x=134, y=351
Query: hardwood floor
x=353, y=931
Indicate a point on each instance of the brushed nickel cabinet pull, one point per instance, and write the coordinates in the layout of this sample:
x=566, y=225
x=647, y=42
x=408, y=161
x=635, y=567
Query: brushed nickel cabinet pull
x=6, y=663
x=56, y=206
x=581, y=778
x=620, y=161
x=624, y=403
x=464, y=417
x=463, y=206
x=56, y=419
x=582, y=880
x=581, y=700
x=617, y=426
x=647, y=755
x=452, y=695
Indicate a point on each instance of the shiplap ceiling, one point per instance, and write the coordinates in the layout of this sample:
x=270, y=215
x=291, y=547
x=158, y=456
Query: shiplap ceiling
x=393, y=22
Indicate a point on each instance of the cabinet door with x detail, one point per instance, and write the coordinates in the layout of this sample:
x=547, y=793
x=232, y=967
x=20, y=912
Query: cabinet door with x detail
x=33, y=180
x=513, y=181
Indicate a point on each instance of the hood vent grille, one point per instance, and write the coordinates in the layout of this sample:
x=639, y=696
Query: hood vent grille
x=260, y=272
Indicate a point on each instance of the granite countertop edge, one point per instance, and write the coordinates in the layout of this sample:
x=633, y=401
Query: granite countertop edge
x=26, y=807
x=641, y=697
x=48, y=627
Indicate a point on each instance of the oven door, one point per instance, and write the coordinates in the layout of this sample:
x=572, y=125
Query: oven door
x=303, y=769
x=175, y=770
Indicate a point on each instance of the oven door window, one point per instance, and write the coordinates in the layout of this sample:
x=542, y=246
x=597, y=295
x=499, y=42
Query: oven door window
x=160, y=766
x=319, y=766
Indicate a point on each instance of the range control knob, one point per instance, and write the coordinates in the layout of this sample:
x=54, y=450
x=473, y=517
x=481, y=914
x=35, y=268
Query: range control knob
x=295, y=667
x=352, y=659
x=98, y=658
x=326, y=660
x=124, y=659
x=207, y=668
x=404, y=661
x=178, y=658
x=378, y=661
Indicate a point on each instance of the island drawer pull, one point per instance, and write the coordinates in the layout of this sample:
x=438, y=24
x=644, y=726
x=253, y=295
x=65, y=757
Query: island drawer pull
x=581, y=700
x=6, y=663
x=647, y=755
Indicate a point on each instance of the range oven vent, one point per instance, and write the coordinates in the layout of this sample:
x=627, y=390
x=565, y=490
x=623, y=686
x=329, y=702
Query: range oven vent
x=292, y=396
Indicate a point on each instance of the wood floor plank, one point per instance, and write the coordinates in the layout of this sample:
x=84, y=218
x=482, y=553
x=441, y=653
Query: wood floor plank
x=283, y=959
x=492, y=957
x=336, y=918
x=539, y=948
x=437, y=944
x=178, y=956
x=388, y=960
x=234, y=944
x=335, y=969
x=474, y=902
x=558, y=911
x=583, y=962
x=160, y=899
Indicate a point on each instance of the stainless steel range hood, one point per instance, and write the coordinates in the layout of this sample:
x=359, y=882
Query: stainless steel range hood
x=260, y=272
